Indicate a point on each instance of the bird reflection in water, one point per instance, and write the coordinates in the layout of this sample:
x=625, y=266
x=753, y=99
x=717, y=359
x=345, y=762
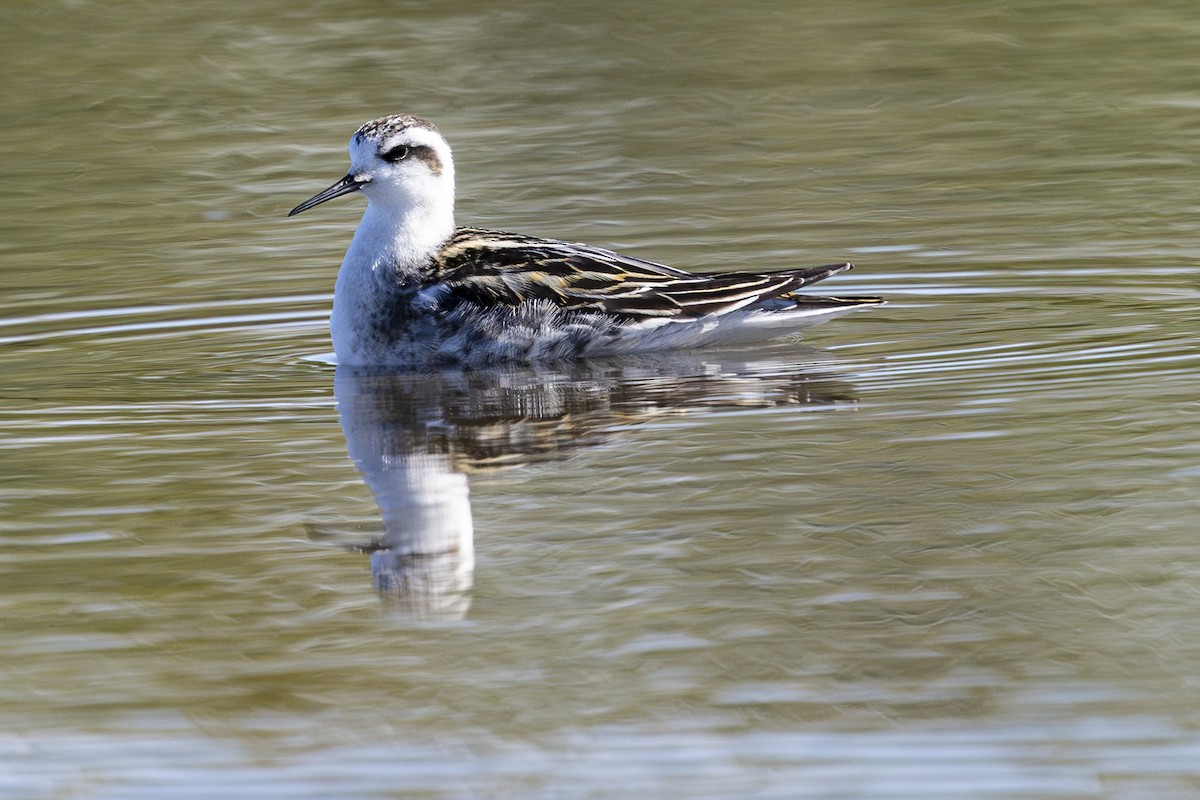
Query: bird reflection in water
x=416, y=436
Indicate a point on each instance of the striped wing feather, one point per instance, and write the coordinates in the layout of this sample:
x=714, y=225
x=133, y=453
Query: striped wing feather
x=495, y=267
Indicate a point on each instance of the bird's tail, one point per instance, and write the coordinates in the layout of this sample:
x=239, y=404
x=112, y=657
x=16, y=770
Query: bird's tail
x=790, y=297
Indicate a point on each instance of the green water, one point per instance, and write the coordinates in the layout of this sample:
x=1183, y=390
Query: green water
x=947, y=548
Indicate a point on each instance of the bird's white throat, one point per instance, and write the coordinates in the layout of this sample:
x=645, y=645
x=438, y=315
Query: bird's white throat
x=399, y=241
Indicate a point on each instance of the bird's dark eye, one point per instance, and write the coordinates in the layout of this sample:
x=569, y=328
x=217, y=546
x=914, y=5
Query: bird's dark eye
x=397, y=153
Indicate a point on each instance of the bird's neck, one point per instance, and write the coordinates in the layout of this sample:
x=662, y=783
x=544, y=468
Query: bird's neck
x=392, y=251
x=399, y=243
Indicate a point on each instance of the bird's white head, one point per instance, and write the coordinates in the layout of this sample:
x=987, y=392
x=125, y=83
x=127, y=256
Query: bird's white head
x=403, y=164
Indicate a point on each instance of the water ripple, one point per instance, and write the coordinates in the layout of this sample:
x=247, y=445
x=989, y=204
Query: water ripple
x=159, y=319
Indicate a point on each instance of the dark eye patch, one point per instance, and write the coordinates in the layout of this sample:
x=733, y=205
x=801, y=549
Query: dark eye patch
x=397, y=153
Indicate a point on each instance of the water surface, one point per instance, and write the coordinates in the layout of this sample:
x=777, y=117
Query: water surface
x=945, y=548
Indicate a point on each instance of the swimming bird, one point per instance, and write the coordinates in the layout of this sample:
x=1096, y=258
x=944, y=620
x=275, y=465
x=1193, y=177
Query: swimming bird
x=415, y=289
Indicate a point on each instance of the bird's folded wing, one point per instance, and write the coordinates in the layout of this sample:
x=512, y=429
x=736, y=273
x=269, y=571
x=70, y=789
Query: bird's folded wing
x=494, y=267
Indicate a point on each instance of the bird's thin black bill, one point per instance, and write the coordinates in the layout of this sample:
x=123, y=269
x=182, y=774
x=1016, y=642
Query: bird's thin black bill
x=346, y=185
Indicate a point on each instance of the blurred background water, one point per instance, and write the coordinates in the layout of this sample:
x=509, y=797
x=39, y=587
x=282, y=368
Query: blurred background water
x=946, y=548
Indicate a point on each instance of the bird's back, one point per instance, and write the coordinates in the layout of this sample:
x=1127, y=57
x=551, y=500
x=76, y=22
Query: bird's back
x=496, y=267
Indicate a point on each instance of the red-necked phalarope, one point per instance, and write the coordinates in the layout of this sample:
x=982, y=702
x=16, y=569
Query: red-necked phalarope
x=415, y=289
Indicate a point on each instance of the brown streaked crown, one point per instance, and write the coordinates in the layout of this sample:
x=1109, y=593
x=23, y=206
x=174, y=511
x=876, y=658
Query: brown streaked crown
x=385, y=127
